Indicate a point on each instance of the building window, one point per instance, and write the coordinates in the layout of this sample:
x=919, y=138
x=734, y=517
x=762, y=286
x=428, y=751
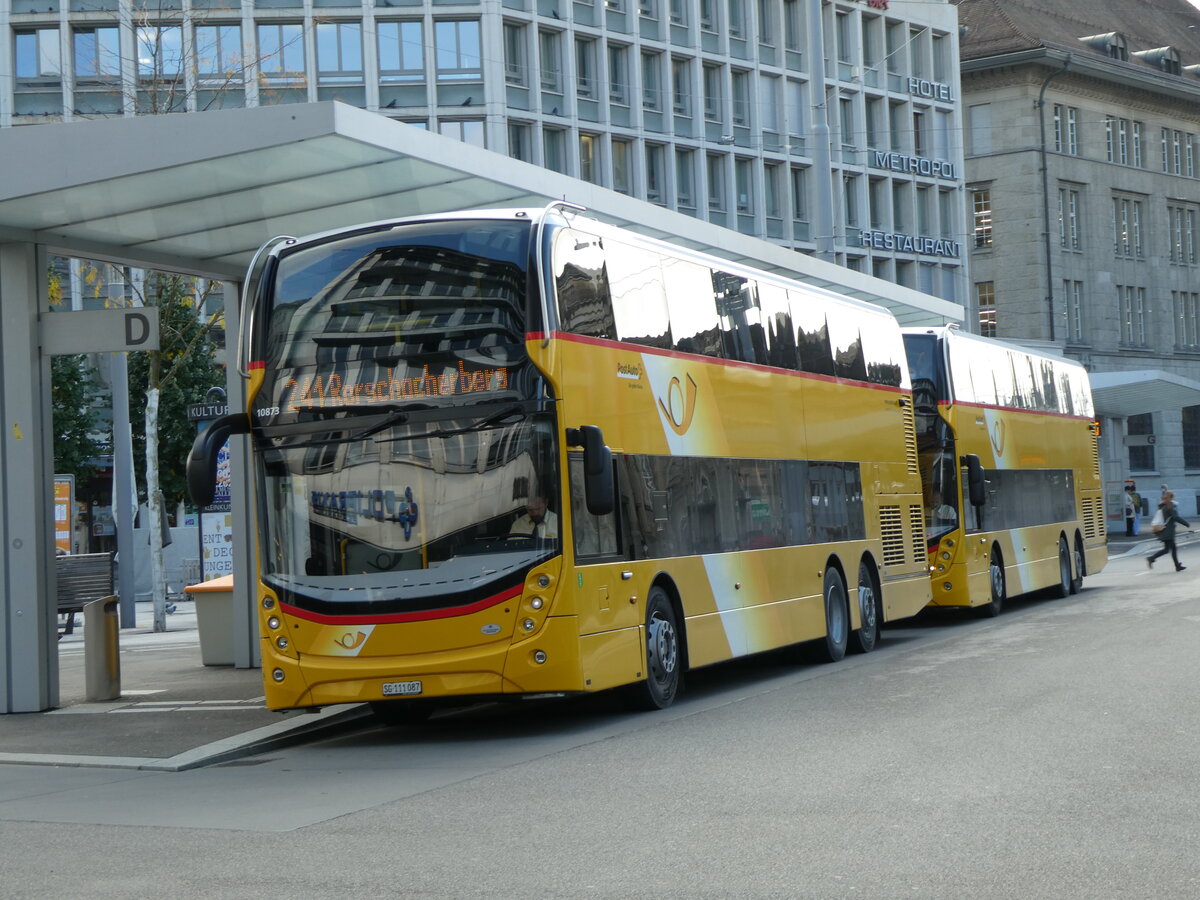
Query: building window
x=516, y=68
x=1127, y=227
x=1068, y=218
x=37, y=54
x=281, y=50
x=585, y=67
x=655, y=176
x=799, y=191
x=1181, y=225
x=1187, y=308
x=1191, y=437
x=744, y=184
x=1141, y=455
x=681, y=94
x=716, y=182
x=679, y=10
x=1133, y=315
x=549, y=63
x=652, y=81
x=159, y=52
x=1066, y=133
x=554, y=143
x=981, y=213
x=648, y=9
x=1073, y=294
x=589, y=147
x=469, y=131
x=766, y=23
x=850, y=200
x=98, y=54
x=622, y=176
x=685, y=179
x=708, y=15
x=985, y=302
x=741, y=98
x=219, y=51
x=520, y=141
x=771, y=202
x=1136, y=141
x=618, y=75
x=456, y=48
x=737, y=19
x=793, y=30
x=339, y=52
x=712, y=93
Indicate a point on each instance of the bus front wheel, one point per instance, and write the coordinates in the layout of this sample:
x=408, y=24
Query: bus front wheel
x=999, y=590
x=837, y=618
x=663, y=655
x=864, y=638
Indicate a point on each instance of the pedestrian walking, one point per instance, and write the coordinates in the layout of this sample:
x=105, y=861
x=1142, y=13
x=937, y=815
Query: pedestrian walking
x=1133, y=509
x=1163, y=525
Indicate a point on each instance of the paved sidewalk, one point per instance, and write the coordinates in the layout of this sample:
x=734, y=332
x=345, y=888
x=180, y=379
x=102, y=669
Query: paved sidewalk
x=174, y=712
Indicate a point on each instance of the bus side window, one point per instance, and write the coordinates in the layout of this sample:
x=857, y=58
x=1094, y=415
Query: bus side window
x=581, y=278
x=595, y=536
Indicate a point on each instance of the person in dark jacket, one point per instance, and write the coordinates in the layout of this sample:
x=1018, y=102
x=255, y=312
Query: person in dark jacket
x=1170, y=518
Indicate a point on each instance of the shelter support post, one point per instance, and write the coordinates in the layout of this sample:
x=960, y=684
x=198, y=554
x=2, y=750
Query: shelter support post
x=28, y=644
x=246, y=651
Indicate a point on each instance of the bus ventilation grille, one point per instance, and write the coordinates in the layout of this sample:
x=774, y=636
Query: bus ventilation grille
x=1093, y=517
x=916, y=520
x=910, y=440
x=891, y=532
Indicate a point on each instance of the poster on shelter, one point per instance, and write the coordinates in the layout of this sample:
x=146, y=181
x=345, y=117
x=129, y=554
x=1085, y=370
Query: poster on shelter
x=216, y=545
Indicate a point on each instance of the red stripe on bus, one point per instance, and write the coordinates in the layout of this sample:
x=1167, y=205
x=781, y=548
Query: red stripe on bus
x=388, y=618
x=730, y=363
x=257, y=364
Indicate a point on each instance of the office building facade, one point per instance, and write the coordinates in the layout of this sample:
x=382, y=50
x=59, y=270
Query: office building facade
x=713, y=108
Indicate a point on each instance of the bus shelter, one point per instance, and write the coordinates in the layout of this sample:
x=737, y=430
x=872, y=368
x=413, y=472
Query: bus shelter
x=198, y=193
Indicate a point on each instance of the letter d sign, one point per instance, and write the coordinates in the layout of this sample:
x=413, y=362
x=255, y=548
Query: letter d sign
x=137, y=329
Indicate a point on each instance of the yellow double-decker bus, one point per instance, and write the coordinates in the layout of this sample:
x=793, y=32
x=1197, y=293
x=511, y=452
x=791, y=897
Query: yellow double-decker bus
x=1010, y=459
x=514, y=453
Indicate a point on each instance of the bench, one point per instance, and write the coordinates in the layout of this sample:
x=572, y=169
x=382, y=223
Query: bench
x=82, y=578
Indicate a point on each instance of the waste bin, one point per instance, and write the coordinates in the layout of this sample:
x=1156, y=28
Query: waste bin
x=214, y=619
x=101, y=650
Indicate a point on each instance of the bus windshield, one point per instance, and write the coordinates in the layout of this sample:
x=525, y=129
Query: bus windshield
x=405, y=442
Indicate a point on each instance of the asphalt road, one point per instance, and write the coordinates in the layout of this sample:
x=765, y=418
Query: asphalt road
x=1050, y=752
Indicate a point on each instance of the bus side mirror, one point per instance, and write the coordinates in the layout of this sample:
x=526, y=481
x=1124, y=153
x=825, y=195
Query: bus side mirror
x=201, y=469
x=976, y=483
x=598, y=486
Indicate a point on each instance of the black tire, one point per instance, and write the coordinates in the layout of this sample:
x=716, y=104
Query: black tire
x=1080, y=567
x=401, y=712
x=864, y=638
x=999, y=588
x=1063, y=588
x=664, y=656
x=837, y=618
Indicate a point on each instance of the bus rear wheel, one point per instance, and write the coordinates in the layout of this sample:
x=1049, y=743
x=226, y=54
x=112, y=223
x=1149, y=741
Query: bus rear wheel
x=837, y=618
x=864, y=638
x=1063, y=588
x=999, y=590
x=663, y=656
x=1080, y=567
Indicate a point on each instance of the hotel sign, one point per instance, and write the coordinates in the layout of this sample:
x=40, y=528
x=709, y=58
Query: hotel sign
x=913, y=165
x=930, y=90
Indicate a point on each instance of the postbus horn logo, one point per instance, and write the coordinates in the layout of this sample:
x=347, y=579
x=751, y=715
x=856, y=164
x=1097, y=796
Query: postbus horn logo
x=680, y=404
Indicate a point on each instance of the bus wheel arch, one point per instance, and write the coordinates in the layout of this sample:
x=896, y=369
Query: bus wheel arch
x=870, y=607
x=1080, y=565
x=835, y=600
x=997, y=584
x=666, y=656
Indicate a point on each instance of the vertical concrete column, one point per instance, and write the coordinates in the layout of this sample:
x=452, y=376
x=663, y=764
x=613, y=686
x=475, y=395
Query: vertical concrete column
x=28, y=606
